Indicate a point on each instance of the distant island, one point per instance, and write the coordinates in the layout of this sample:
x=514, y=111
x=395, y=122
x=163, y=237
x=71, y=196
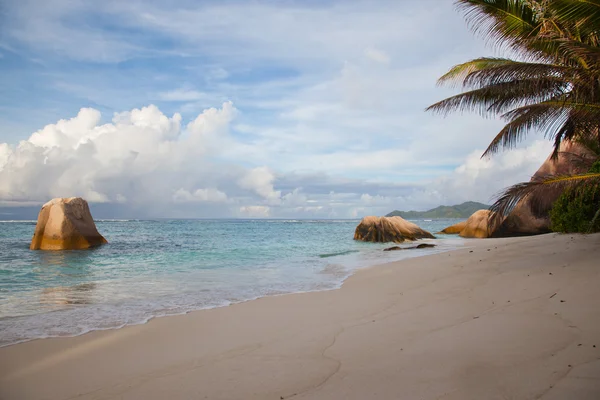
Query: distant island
x=463, y=210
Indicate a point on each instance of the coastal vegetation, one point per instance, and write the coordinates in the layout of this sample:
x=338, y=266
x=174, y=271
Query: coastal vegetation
x=552, y=86
x=578, y=208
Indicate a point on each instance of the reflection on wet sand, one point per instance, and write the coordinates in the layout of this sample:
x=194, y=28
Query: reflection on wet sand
x=68, y=295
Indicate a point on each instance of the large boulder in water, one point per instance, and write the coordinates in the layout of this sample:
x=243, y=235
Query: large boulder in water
x=388, y=229
x=65, y=224
x=525, y=220
x=478, y=225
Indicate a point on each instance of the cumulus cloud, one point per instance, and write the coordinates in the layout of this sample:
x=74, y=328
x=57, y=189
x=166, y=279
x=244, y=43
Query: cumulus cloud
x=141, y=153
x=260, y=180
x=5, y=152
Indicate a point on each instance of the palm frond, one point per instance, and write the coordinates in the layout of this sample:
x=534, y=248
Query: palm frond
x=501, y=21
x=542, y=188
x=584, y=15
x=558, y=119
x=501, y=97
x=517, y=71
x=524, y=119
x=579, y=53
x=458, y=73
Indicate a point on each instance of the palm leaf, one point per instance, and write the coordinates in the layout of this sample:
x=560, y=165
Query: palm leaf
x=557, y=119
x=501, y=97
x=501, y=21
x=488, y=70
x=507, y=200
x=458, y=73
x=582, y=54
x=584, y=15
x=518, y=71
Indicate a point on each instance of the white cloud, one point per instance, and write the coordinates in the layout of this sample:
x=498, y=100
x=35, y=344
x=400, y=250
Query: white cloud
x=140, y=152
x=376, y=200
x=5, y=152
x=260, y=180
x=210, y=195
x=68, y=133
x=480, y=178
x=295, y=198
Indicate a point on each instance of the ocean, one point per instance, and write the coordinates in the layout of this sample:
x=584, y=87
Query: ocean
x=153, y=268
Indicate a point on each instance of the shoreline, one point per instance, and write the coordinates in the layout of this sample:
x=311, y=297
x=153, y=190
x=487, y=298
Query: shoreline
x=351, y=267
x=379, y=335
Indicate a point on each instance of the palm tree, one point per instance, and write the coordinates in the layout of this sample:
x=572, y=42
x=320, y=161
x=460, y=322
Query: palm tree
x=554, y=87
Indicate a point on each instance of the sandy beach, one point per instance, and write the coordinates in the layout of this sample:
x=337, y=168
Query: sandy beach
x=511, y=318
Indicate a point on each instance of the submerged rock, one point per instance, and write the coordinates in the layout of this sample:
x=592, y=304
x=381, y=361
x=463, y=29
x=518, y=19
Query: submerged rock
x=393, y=248
x=65, y=224
x=420, y=246
x=388, y=229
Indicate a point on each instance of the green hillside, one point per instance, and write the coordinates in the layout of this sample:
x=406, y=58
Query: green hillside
x=463, y=210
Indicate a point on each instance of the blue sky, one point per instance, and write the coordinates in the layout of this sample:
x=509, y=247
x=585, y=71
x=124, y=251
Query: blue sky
x=322, y=102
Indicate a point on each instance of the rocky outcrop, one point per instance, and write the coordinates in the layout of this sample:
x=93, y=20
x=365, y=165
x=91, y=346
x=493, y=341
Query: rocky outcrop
x=523, y=220
x=477, y=226
x=65, y=224
x=388, y=229
x=454, y=229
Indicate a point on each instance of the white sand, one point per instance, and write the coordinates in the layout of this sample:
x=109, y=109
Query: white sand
x=458, y=325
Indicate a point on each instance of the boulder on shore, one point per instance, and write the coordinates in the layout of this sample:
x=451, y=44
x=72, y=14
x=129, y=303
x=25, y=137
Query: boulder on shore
x=65, y=224
x=388, y=229
x=477, y=226
x=454, y=229
x=523, y=220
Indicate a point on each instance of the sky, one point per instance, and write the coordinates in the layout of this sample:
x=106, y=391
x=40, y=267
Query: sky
x=242, y=109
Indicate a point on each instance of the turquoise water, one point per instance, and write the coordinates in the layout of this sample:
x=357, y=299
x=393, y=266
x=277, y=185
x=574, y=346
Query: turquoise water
x=164, y=267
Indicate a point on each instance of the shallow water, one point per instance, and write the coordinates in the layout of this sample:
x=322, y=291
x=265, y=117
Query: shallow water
x=164, y=267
